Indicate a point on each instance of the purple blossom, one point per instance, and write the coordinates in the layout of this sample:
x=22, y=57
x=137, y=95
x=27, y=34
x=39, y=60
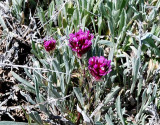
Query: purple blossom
x=99, y=66
x=49, y=45
x=80, y=42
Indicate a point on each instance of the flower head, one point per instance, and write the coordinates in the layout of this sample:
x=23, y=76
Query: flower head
x=99, y=66
x=49, y=45
x=80, y=42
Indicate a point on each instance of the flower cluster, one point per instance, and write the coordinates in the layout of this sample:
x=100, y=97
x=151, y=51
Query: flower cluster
x=49, y=45
x=80, y=42
x=99, y=66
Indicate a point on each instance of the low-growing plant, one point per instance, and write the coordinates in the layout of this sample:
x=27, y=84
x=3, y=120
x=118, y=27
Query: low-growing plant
x=73, y=79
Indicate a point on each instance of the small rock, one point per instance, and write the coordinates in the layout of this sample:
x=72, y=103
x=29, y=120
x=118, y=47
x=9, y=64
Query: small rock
x=1, y=71
x=16, y=88
x=106, y=51
x=10, y=74
x=132, y=100
x=16, y=44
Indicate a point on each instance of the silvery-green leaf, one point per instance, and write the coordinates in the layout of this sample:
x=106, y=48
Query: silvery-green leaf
x=2, y=21
x=14, y=123
x=51, y=9
x=106, y=42
x=99, y=123
x=97, y=110
x=79, y=95
x=65, y=59
x=28, y=98
x=85, y=117
x=111, y=54
x=135, y=73
x=108, y=120
x=140, y=86
x=111, y=94
x=35, y=116
x=23, y=81
x=123, y=19
x=119, y=110
x=56, y=68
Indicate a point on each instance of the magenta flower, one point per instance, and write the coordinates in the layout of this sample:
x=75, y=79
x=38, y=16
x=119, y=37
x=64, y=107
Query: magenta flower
x=80, y=42
x=49, y=45
x=99, y=66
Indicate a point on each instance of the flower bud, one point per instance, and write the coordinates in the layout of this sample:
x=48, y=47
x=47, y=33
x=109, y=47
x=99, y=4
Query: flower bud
x=99, y=66
x=80, y=42
x=49, y=45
